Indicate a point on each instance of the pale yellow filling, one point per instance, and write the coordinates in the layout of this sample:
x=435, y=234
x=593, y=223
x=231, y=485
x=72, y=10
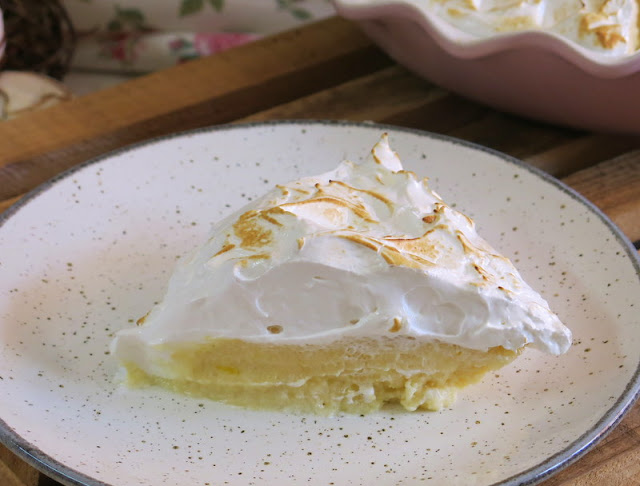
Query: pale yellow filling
x=357, y=376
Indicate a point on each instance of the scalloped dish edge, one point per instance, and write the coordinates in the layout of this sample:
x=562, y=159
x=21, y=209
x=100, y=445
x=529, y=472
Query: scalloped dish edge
x=467, y=46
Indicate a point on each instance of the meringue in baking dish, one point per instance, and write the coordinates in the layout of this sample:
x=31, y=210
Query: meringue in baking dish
x=606, y=26
x=340, y=292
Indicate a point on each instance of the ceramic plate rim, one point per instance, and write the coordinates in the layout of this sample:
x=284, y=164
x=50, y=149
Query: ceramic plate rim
x=531, y=476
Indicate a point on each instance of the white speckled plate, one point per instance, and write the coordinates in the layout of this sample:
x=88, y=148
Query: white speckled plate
x=89, y=252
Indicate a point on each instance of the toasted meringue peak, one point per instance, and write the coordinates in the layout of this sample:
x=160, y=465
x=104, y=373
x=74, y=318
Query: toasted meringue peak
x=366, y=250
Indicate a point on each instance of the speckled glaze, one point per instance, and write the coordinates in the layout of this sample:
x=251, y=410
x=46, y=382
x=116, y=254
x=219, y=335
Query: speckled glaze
x=88, y=253
x=530, y=73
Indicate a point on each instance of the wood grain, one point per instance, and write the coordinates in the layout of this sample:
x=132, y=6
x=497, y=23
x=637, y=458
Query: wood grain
x=8, y=477
x=514, y=136
x=579, y=153
x=411, y=102
x=365, y=98
x=614, y=186
x=14, y=471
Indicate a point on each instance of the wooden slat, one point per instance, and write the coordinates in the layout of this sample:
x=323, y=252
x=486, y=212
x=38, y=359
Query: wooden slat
x=514, y=136
x=368, y=98
x=577, y=154
x=622, y=470
x=14, y=471
x=614, y=186
x=7, y=476
x=442, y=115
x=393, y=96
x=207, y=91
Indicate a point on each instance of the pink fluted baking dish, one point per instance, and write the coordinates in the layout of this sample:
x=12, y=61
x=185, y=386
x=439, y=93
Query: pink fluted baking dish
x=531, y=73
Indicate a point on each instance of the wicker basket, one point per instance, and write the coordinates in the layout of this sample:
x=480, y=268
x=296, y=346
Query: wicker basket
x=39, y=35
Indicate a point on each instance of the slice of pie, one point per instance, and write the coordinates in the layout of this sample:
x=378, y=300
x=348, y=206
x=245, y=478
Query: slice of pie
x=341, y=292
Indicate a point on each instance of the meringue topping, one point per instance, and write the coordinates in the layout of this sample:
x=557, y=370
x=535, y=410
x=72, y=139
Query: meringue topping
x=606, y=26
x=366, y=250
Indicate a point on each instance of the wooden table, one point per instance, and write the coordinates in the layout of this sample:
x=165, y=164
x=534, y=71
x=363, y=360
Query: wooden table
x=324, y=70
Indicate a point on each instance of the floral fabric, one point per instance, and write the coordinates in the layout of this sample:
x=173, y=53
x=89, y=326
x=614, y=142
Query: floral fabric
x=137, y=36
